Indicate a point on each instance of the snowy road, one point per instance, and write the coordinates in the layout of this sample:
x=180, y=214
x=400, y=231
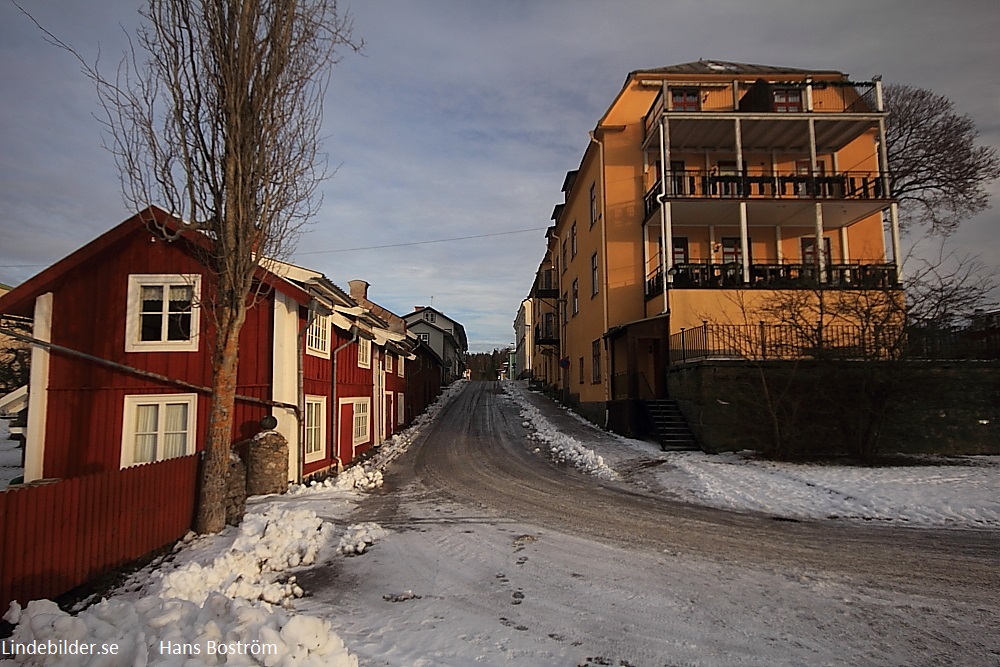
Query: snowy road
x=510, y=558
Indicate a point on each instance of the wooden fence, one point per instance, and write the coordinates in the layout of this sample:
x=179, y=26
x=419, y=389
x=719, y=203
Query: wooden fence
x=54, y=537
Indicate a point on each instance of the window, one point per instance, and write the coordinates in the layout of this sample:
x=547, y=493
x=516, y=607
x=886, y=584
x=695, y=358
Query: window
x=424, y=337
x=400, y=365
x=593, y=203
x=430, y=316
x=158, y=427
x=564, y=256
x=595, y=360
x=684, y=99
x=565, y=308
x=594, y=278
x=162, y=313
x=400, y=408
x=787, y=100
x=315, y=440
x=680, y=250
x=364, y=353
x=809, y=250
x=731, y=250
x=388, y=363
x=361, y=420
x=576, y=296
x=318, y=336
x=581, y=370
x=572, y=236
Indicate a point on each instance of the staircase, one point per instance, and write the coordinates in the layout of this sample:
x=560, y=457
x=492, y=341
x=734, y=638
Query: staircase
x=669, y=425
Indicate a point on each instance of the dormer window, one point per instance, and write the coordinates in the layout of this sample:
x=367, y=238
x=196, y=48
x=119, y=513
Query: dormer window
x=429, y=316
x=685, y=99
x=787, y=100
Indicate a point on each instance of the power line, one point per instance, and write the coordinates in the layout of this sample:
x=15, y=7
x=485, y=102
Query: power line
x=401, y=245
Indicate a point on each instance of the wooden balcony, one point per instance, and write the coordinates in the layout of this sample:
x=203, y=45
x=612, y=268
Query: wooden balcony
x=546, y=285
x=546, y=334
x=773, y=276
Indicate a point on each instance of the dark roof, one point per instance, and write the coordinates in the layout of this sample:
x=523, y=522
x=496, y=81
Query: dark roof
x=726, y=67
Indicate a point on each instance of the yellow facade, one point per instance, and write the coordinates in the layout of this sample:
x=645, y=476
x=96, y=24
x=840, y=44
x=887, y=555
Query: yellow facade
x=690, y=165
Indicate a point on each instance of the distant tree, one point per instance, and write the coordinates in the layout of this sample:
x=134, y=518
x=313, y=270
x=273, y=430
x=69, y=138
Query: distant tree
x=937, y=172
x=15, y=358
x=218, y=121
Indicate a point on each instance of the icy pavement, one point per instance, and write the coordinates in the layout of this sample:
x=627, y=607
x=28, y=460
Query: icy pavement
x=450, y=585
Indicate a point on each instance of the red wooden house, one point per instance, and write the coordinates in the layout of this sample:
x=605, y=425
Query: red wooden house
x=121, y=362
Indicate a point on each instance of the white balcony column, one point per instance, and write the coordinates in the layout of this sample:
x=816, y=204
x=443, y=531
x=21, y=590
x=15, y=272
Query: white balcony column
x=883, y=159
x=777, y=244
x=845, y=248
x=819, y=246
x=666, y=228
x=739, y=147
x=711, y=244
x=879, y=101
x=813, y=164
x=744, y=242
x=894, y=230
x=809, y=95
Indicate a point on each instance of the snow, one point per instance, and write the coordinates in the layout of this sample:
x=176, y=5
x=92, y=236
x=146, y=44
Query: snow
x=10, y=456
x=563, y=448
x=312, y=577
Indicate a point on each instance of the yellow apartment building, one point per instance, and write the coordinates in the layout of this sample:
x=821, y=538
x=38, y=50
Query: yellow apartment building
x=699, y=200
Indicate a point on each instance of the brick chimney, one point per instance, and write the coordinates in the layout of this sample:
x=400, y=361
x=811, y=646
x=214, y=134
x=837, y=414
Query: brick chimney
x=359, y=289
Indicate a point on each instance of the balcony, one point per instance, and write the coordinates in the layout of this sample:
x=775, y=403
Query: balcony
x=702, y=184
x=546, y=285
x=773, y=276
x=546, y=334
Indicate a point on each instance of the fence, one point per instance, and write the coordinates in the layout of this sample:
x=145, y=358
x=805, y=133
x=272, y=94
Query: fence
x=776, y=341
x=57, y=536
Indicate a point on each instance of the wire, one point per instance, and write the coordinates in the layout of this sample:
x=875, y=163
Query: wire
x=412, y=243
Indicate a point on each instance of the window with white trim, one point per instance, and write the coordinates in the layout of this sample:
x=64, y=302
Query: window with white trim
x=162, y=313
x=400, y=365
x=424, y=337
x=388, y=363
x=315, y=428
x=318, y=336
x=362, y=421
x=158, y=427
x=400, y=408
x=430, y=316
x=364, y=353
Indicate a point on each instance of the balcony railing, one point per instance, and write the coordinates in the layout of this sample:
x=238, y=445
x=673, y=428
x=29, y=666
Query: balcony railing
x=841, y=341
x=546, y=285
x=729, y=275
x=702, y=184
x=546, y=334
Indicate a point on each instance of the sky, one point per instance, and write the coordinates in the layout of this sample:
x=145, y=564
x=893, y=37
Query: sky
x=460, y=119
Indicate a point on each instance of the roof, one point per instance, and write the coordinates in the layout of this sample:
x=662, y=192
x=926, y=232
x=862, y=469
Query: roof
x=726, y=67
x=20, y=300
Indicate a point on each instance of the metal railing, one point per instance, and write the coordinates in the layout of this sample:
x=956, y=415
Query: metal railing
x=777, y=275
x=760, y=342
x=711, y=184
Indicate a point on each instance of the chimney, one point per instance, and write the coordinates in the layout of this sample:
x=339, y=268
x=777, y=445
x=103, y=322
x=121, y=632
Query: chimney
x=359, y=289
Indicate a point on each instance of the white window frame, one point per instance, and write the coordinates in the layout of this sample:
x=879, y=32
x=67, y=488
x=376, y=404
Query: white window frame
x=430, y=316
x=425, y=337
x=318, y=337
x=319, y=429
x=360, y=434
x=388, y=362
x=400, y=365
x=131, y=405
x=133, y=312
x=364, y=353
x=400, y=408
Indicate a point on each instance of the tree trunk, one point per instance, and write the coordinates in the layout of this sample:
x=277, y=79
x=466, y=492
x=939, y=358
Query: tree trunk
x=211, y=517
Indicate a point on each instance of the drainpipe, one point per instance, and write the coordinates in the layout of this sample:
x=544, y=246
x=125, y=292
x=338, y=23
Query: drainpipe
x=604, y=266
x=300, y=362
x=336, y=408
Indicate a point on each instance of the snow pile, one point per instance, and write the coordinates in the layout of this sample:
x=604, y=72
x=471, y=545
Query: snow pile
x=159, y=631
x=265, y=545
x=563, y=448
x=360, y=478
x=359, y=537
x=961, y=493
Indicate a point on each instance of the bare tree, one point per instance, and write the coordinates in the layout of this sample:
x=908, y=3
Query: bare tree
x=937, y=172
x=215, y=114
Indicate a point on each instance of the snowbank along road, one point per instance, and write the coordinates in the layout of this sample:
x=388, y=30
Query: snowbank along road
x=498, y=555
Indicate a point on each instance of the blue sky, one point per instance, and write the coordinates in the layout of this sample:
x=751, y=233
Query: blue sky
x=461, y=119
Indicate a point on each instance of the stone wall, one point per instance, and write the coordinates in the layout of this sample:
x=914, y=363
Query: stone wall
x=930, y=407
